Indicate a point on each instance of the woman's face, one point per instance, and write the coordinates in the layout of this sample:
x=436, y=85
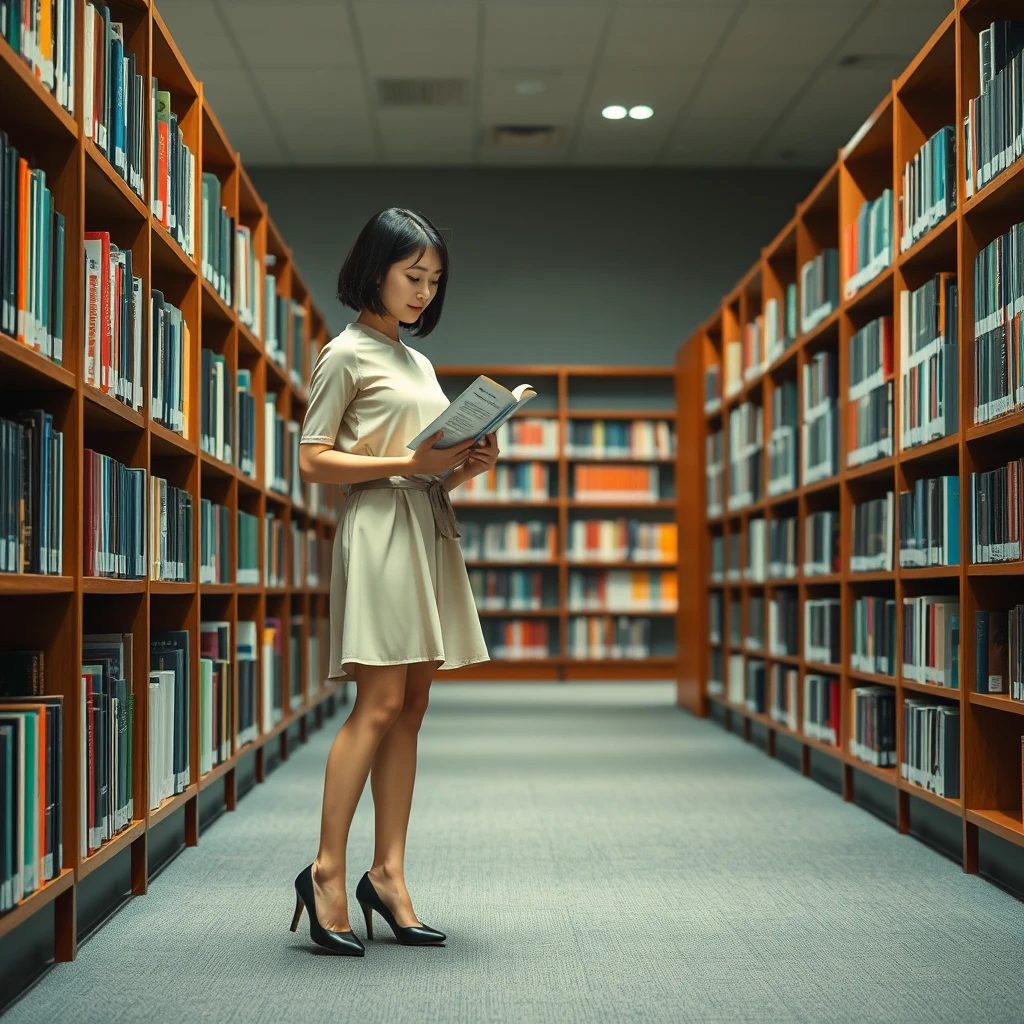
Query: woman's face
x=411, y=285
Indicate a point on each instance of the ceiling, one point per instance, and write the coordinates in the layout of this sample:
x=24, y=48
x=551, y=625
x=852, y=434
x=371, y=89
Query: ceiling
x=732, y=82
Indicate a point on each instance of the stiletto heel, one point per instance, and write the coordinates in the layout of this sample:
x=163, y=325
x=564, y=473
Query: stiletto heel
x=343, y=943
x=416, y=935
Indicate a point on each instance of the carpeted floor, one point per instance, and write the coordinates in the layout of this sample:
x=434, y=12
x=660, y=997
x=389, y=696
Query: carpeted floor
x=594, y=854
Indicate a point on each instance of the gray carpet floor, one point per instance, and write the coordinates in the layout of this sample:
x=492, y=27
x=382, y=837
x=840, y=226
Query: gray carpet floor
x=594, y=854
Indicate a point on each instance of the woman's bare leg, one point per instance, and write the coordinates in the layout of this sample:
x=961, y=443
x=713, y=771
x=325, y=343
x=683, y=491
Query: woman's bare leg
x=391, y=782
x=380, y=692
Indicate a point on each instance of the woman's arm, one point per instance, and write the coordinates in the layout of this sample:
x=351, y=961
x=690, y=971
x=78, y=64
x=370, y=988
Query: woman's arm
x=321, y=464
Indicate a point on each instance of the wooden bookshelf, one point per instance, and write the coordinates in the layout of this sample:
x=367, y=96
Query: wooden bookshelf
x=51, y=613
x=573, y=393
x=933, y=91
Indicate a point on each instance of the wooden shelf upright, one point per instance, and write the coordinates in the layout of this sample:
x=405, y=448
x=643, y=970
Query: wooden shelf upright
x=51, y=613
x=934, y=91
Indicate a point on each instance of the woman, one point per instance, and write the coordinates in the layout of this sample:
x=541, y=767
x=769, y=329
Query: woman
x=401, y=603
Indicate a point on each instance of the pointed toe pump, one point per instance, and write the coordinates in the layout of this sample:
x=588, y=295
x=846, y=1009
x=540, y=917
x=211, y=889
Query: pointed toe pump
x=342, y=943
x=416, y=935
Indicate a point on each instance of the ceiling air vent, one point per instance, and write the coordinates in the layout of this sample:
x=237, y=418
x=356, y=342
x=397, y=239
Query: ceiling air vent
x=422, y=92
x=522, y=136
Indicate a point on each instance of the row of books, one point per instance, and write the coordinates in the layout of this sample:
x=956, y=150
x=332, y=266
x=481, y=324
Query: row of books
x=281, y=451
x=219, y=240
x=621, y=540
x=819, y=289
x=214, y=542
x=533, y=540
x=873, y=535
x=998, y=339
x=783, y=439
x=873, y=720
x=998, y=653
x=874, y=635
x=996, y=514
x=618, y=590
x=616, y=483
x=929, y=361
x=298, y=342
x=994, y=123
x=172, y=172
x=31, y=494
x=114, y=96
x=870, y=414
x=780, y=324
x=275, y=312
x=714, y=473
x=930, y=523
x=114, y=324
x=32, y=248
x=170, y=525
x=43, y=36
x=524, y=437
x=599, y=637
x=868, y=243
x=515, y=481
x=508, y=589
x=746, y=443
x=929, y=187
x=638, y=439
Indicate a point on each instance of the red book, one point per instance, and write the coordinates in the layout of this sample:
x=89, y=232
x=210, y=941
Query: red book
x=103, y=354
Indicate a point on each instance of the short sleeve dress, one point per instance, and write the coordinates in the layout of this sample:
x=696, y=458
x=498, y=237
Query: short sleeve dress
x=400, y=592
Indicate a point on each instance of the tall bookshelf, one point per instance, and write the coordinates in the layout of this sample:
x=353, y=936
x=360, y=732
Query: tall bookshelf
x=935, y=90
x=51, y=612
x=568, y=394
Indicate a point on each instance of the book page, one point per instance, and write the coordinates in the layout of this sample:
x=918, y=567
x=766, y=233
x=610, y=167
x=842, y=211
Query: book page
x=470, y=415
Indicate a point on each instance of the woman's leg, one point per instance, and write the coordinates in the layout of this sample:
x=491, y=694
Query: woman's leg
x=391, y=782
x=380, y=692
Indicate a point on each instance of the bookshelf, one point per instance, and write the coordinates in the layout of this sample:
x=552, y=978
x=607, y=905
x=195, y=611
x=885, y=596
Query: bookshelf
x=570, y=396
x=936, y=90
x=51, y=613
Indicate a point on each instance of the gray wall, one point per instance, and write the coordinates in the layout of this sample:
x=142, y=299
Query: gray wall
x=602, y=266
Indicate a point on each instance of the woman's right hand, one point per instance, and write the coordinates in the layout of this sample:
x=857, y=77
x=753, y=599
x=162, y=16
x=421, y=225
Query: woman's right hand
x=434, y=461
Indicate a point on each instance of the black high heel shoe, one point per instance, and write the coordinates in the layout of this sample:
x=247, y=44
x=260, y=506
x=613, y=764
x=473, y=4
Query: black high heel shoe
x=343, y=943
x=415, y=935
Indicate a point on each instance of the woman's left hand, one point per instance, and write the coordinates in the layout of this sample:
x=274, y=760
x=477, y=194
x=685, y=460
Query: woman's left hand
x=481, y=456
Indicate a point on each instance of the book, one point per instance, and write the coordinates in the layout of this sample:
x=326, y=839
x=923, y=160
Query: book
x=483, y=407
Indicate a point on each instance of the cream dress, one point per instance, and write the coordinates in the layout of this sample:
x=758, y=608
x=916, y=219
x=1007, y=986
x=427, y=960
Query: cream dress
x=400, y=592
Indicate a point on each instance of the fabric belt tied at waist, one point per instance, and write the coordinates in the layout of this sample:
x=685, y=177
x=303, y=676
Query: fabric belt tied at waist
x=440, y=502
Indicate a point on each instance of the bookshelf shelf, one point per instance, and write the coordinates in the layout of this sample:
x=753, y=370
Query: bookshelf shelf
x=936, y=247
x=946, y=692
x=37, y=901
x=1000, y=703
x=171, y=804
x=36, y=108
x=938, y=236
x=107, y=195
x=52, y=613
x=106, y=413
x=106, y=585
x=1007, y=826
x=30, y=583
x=111, y=848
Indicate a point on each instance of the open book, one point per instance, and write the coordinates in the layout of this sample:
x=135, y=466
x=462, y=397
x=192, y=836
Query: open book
x=479, y=410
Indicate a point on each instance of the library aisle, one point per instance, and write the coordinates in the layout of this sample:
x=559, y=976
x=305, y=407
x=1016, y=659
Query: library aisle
x=593, y=855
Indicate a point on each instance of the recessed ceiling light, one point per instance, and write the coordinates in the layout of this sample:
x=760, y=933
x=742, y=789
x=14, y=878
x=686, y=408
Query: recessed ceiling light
x=531, y=87
x=614, y=112
x=641, y=113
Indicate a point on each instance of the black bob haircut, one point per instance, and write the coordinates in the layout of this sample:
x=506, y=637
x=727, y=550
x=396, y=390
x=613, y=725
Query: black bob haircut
x=390, y=236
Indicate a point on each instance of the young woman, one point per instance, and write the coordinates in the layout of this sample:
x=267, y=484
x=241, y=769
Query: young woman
x=401, y=603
